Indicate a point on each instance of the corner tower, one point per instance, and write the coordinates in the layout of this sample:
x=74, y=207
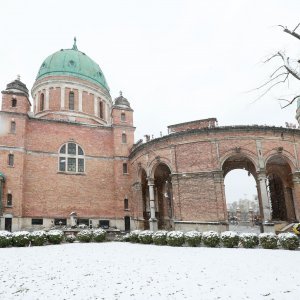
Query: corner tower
x=71, y=86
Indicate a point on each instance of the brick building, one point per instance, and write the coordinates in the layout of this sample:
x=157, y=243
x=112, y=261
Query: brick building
x=71, y=154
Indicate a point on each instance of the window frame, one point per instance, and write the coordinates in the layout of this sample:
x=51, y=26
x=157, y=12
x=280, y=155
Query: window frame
x=67, y=158
x=11, y=160
x=14, y=102
x=123, y=117
x=13, y=127
x=124, y=138
x=71, y=103
x=37, y=221
x=42, y=101
x=9, y=200
x=125, y=168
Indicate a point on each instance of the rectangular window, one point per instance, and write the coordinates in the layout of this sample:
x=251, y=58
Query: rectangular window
x=12, y=127
x=104, y=224
x=60, y=222
x=36, y=221
x=9, y=199
x=71, y=164
x=80, y=165
x=83, y=221
x=124, y=138
x=62, y=164
x=123, y=117
x=126, y=204
x=125, y=169
x=10, y=160
x=71, y=101
x=101, y=113
x=14, y=102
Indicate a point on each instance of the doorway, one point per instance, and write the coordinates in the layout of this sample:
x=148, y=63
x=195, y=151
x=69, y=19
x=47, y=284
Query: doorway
x=7, y=224
x=127, y=223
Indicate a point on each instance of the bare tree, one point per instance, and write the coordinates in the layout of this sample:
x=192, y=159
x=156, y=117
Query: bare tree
x=283, y=72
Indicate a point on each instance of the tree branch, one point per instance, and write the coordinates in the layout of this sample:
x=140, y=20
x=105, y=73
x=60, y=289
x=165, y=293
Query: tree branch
x=289, y=101
x=287, y=65
x=293, y=33
x=266, y=83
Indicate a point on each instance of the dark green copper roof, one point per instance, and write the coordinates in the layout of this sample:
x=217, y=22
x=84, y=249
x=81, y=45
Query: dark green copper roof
x=72, y=62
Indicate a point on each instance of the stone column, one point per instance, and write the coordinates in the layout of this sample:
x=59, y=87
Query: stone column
x=267, y=225
x=266, y=207
x=153, y=220
x=296, y=194
x=96, y=104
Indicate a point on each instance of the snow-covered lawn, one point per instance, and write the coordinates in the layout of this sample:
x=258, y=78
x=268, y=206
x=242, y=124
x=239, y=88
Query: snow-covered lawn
x=133, y=271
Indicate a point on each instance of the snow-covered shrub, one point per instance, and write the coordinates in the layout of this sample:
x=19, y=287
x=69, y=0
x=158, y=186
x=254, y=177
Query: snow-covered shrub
x=229, y=239
x=20, y=238
x=85, y=236
x=82, y=226
x=210, y=238
x=125, y=238
x=175, y=238
x=145, y=237
x=268, y=240
x=38, y=238
x=134, y=236
x=249, y=240
x=5, y=239
x=99, y=235
x=288, y=241
x=160, y=237
x=193, y=238
x=70, y=238
x=55, y=236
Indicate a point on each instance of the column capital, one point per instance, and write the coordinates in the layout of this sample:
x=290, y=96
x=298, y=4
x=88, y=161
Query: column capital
x=296, y=177
x=261, y=174
x=150, y=181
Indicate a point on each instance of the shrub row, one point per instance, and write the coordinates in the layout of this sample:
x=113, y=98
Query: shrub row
x=41, y=237
x=228, y=239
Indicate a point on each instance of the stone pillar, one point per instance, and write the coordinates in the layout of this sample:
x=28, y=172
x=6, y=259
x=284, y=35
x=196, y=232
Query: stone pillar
x=266, y=207
x=267, y=225
x=296, y=194
x=153, y=220
x=96, y=106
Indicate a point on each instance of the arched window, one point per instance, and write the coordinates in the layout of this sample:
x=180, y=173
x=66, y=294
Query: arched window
x=123, y=117
x=71, y=101
x=124, y=138
x=12, y=127
x=101, y=110
x=42, y=100
x=71, y=158
x=13, y=102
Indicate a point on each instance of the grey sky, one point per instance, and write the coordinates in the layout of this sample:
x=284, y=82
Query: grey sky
x=175, y=61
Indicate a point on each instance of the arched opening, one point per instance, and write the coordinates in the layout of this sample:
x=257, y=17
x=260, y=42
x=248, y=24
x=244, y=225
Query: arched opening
x=163, y=196
x=241, y=194
x=145, y=199
x=42, y=102
x=280, y=189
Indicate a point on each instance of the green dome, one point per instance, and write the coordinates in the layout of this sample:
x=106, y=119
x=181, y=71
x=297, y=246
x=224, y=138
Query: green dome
x=72, y=62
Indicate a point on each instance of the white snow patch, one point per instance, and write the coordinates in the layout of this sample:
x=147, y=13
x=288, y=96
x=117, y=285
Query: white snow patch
x=133, y=271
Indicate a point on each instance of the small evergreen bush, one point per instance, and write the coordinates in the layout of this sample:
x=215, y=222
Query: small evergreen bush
x=193, y=238
x=268, y=240
x=288, y=241
x=70, y=238
x=145, y=237
x=229, y=239
x=134, y=236
x=175, y=238
x=5, y=239
x=55, y=236
x=160, y=237
x=211, y=238
x=20, y=238
x=38, y=238
x=249, y=240
x=99, y=235
x=85, y=236
x=125, y=238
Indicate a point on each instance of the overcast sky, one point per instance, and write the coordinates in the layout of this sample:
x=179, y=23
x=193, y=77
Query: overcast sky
x=175, y=61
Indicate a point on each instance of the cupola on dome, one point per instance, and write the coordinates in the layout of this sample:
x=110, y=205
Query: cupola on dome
x=72, y=62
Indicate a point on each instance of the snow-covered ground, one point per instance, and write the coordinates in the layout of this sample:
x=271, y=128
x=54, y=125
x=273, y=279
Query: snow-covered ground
x=132, y=271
